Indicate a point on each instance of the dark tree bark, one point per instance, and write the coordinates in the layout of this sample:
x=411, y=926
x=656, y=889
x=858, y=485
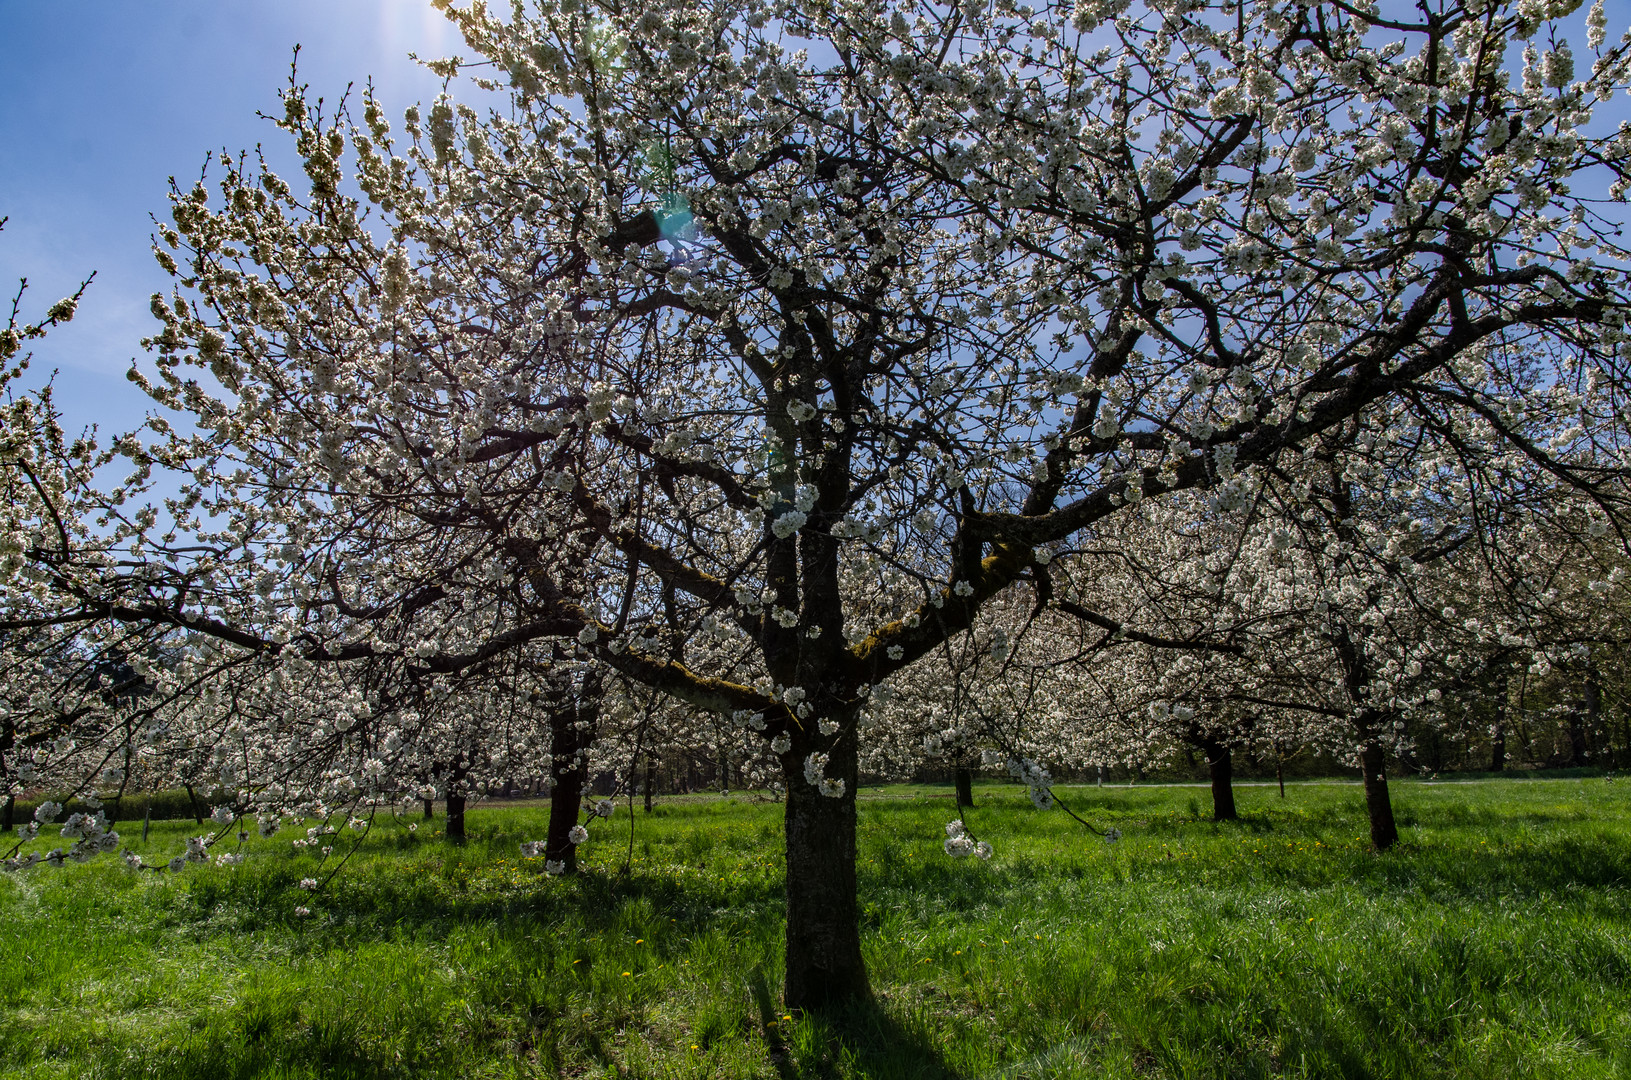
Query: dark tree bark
x=964, y=779
x=1373, y=764
x=192, y=800
x=1280, y=771
x=1435, y=751
x=1220, y=766
x=453, y=804
x=565, y=804
x=1384, y=833
x=8, y=738
x=1585, y=726
x=454, y=810
x=1577, y=741
x=430, y=808
x=824, y=965
x=572, y=726
x=651, y=780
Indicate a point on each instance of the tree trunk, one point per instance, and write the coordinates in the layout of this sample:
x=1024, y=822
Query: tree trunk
x=192, y=800
x=824, y=965
x=453, y=803
x=1280, y=772
x=566, y=775
x=651, y=780
x=1220, y=766
x=565, y=804
x=1500, y=691
x=1594, y=715
x=1383, y=832
x=430, y=809
x=964, y=778
x=454, y=811
x=1577, y=741
x=571, y=731
x=8, y=739
x=1357, y=679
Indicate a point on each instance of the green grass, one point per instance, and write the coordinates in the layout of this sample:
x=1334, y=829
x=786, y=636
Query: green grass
x=1495, y=942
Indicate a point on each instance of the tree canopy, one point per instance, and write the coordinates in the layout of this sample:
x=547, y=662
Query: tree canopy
x=751, y=352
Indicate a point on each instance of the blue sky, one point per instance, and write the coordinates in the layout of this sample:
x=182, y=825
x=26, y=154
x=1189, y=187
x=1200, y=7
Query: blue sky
x=101, y=101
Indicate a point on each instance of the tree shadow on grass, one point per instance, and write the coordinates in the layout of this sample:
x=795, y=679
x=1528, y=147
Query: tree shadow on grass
x=1593, y=871
x=860, y=1038
x=381, y=901
x=864, y=1039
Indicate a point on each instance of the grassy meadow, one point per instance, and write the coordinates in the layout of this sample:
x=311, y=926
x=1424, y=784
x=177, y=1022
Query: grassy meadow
x=1495, y=942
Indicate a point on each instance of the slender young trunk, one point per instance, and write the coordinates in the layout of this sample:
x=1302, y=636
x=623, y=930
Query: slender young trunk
x=1280, y=772
x=651, y=781
x=1220, y=766
x=1373, y=763
x=192, y=800
x=824, y=965
x=147, y=818
x=1497, y=750
x=1356, y=671
x=964, y=778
